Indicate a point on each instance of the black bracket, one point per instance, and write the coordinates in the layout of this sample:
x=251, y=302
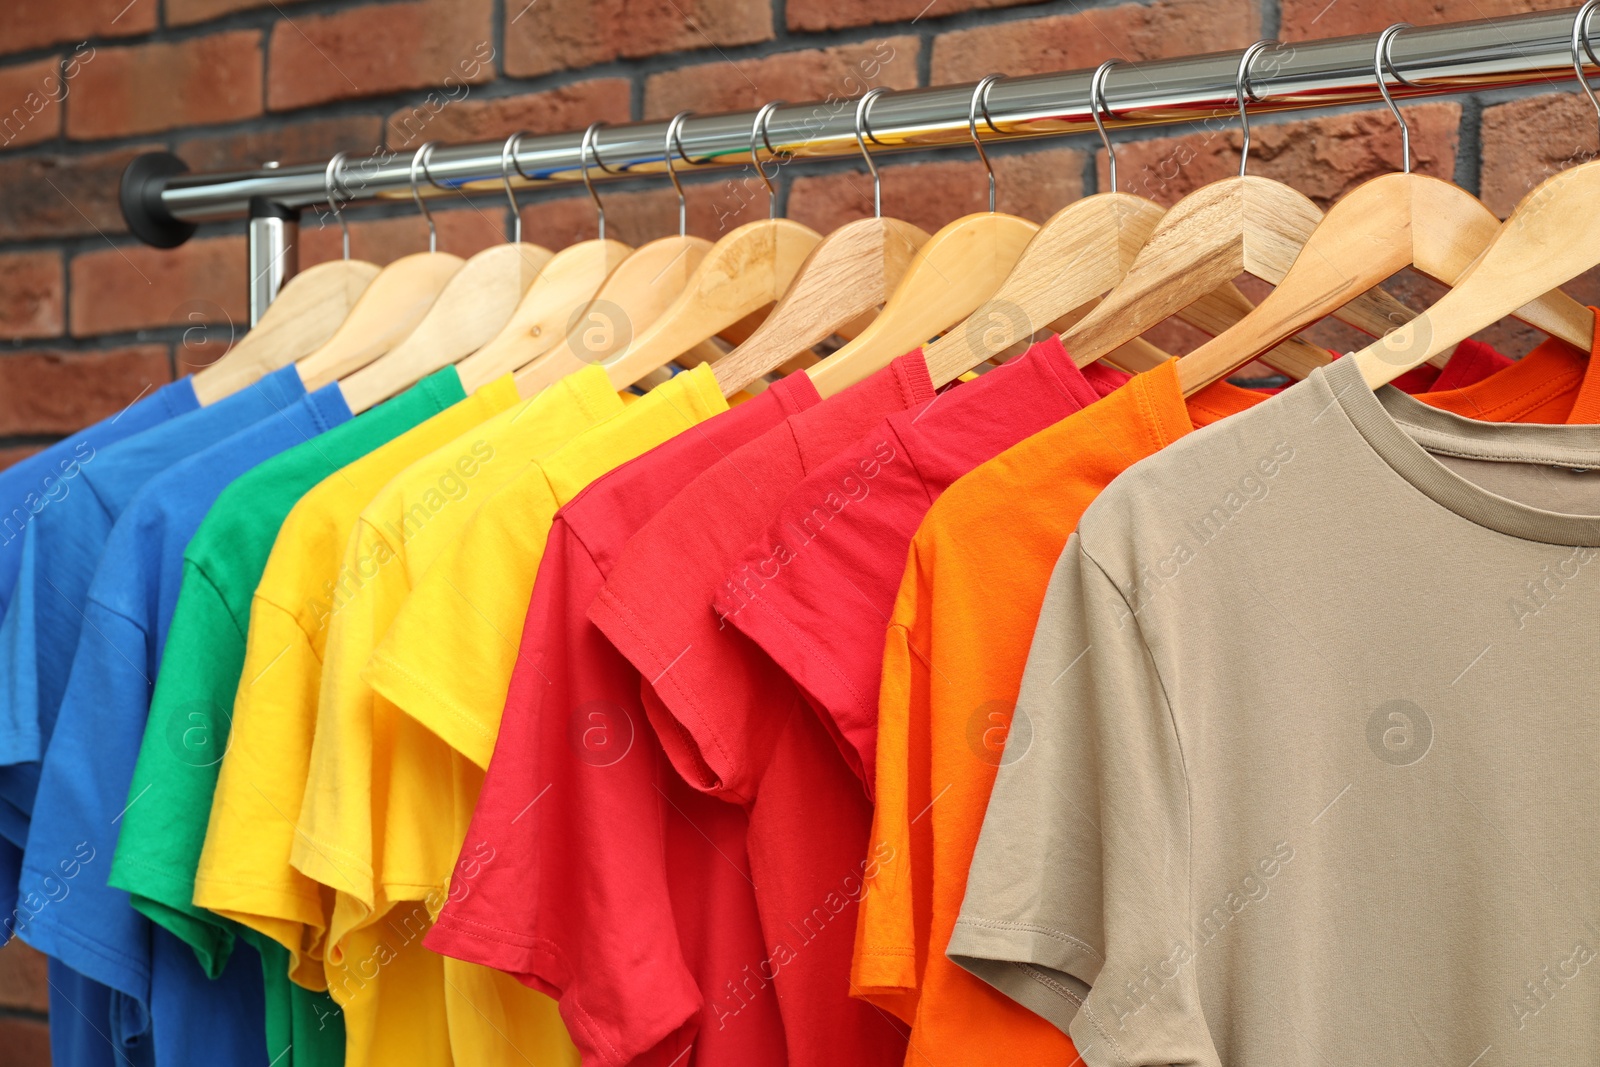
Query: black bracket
x=147, y=218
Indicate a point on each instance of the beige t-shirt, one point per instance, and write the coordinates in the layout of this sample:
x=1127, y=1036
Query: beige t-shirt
x=1304, y=767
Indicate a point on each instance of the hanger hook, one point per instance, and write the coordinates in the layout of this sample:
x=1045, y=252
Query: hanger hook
x=980, y=95
x=1381, y=62
x=1241, y=95
x=1097, y=104
x=1580, y=34
x=863, y=106
x=508, y=161
x=673, y=144
x=759, y=129
x=421, y=159
x=330, y=185
x=588, y=144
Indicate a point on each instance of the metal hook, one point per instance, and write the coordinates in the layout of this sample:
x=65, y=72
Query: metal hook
x=1241, y=95
x=980, y=92
x=1097, y=104
x=1381, y=61
x=588, y=140
x=421, y=159
x=759, y=129
x=672, y=172
x=862, y=107
x=330, y=185
x=508, y=160
x=1580, y=34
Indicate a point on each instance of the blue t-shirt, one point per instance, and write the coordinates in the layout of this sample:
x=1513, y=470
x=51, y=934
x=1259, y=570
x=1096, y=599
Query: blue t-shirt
x=61, y=548
x=159, y=992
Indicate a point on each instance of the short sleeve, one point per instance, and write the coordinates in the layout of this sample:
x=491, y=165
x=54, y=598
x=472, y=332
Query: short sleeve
x=889, y=956
x=159, y=843
x=244, y=872
x=562, y=880
x=1076, y=902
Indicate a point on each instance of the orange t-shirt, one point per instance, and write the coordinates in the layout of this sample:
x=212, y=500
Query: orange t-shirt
x=952, y=665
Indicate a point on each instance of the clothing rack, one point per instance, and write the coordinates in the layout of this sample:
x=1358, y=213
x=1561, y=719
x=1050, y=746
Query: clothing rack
x=163, y=204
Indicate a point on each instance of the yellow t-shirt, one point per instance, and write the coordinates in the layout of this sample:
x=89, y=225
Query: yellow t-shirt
x=448, y=656
x=372, y=769
x=245, y=872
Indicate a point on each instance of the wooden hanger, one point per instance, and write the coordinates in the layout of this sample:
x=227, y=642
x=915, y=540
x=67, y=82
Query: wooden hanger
x=1233, y=226
x=475, y=303
x=390, y=308
x=851, y=271
x=633, y=297
x=566, y=285
x=954, y=272
x=305, y=315
x=1552, y=237
x=1377, y=229
x=1079, y=254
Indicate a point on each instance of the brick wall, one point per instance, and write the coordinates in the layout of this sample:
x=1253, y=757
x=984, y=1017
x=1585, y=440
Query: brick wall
x=89, y=318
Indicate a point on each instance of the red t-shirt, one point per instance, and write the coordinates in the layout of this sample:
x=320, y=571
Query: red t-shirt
x=737, y=728
x=816, y=589
x=616, y=888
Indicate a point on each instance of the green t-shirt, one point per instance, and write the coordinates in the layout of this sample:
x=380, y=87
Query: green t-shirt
x=169, y=802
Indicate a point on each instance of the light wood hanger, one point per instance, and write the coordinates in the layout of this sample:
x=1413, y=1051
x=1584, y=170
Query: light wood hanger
x=1552, y=236
x=473, y=306
x=557, y=296
x=389, y=309
x=953, y=273
x=1080, y=253
x=1236, y=225
x=1377, y=229
x=633, y=297
x=851, y=271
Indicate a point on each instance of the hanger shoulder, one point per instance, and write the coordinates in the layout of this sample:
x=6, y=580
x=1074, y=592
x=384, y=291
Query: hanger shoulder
x=391, y=307
x=1080, y=252
x=746, y=270
x=633, y=297
x=959, y=268
x=474, y=303
x=304, y=316
x=563, y=289
x=851, y=271
x=1552, y=237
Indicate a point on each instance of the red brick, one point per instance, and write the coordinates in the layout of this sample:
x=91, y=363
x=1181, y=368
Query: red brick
x=63, y=196
x=462, y=231
x=37, y=23
x=1074, y=42
x=569, y=107
x=8, y=457
x=31, y=295
x=836, y=14
x=23, y=986
x=547, y=35
x=150, y=87
x=30, y=102
x=187, y=12
x=48, y=392
x=814, y=74
x=287, y=142
x=367, y=51
x=1526, y=141
x=1322, y=157
x=132, y=287
x=1306, y=20
x=932, y=194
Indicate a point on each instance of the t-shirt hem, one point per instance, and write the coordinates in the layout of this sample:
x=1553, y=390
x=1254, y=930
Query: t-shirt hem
x=337, y=868
x=162, y=896
x=1034, y=965
x=416, y=697
x=88, y=957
